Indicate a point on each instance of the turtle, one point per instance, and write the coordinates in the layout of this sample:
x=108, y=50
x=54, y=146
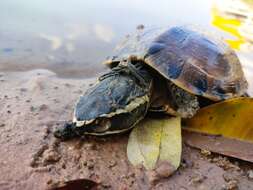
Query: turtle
x=172, y=70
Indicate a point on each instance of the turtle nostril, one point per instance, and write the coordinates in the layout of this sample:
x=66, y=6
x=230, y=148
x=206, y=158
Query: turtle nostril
x=66, y=132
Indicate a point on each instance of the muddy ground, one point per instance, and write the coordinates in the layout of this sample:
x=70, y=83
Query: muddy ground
x=34, y=103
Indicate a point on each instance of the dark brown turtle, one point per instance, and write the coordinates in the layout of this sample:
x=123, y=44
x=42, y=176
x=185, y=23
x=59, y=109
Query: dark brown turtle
x=170, y=70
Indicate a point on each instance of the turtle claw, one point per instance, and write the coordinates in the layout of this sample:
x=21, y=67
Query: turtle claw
x=66, y=132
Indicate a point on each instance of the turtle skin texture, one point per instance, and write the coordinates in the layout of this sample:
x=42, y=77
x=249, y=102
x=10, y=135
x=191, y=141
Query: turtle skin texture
x=200, y=63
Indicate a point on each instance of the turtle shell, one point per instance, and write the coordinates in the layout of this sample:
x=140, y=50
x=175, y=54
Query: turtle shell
x=192, y=59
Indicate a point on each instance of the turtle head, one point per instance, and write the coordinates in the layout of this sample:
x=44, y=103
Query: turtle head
x=114, y=105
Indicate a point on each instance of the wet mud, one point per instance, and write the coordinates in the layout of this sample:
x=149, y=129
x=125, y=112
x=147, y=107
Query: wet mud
x=34, y=103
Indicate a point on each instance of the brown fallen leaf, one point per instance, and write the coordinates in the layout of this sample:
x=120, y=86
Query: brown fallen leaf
x=218, y=144
x=78, y=184
x=225, y=128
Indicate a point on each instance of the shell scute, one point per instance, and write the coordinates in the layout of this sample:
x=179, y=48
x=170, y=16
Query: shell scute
x=201, y=84
x=194, y=60
x=155, y=48
x=175, y=68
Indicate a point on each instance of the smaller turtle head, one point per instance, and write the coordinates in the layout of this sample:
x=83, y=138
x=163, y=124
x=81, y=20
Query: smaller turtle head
x=109, y=123
x=116, y=121
x=114, y=105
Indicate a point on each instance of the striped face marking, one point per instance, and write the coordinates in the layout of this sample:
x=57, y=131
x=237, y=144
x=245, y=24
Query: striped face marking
x=105, y=123
x=130, y=107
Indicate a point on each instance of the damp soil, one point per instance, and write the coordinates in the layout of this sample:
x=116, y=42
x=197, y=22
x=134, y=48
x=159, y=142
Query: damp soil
x=34, y=103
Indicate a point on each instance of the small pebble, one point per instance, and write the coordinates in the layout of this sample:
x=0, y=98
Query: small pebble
x=205, y=152
x=112, y=163
x=198, y=178
x=131, y=174
x=67, y=85
x=85, y=163
x=90, y=146
x=90, y=165
x=250, y=174
x=232, y=185
x=43, y=107
x=2, y=125
x=152, y=176
x=50, y=181
x=63, y=166
x=43, y=169
x=106, y=185
x=51, y=156
x=32, y=108
x=23, y=89
x=228, y=176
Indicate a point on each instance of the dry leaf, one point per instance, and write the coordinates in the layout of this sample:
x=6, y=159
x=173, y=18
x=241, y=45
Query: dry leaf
x=231, y=118
x=78, y=184
x=156, y=144
x=218, y=144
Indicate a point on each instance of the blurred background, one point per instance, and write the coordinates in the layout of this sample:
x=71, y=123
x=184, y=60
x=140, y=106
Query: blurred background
x=72, y=38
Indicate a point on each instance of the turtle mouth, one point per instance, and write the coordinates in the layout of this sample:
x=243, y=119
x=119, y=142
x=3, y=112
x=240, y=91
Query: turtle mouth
x=99, y=125
x=83, y=123
x=71, y=130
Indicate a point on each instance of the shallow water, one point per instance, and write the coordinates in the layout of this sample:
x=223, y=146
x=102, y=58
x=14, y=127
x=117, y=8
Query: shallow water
x=72, y=38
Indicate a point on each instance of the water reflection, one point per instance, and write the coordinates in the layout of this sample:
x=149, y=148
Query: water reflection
x=55, y=41
x=104, y=33
x=236, y=18
x=72, y=38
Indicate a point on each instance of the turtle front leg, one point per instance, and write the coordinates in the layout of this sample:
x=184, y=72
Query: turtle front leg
x=185, y=104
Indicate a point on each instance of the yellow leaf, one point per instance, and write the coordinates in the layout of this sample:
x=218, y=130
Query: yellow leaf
x=133, y=151
x=231, y=118
x=171, y=143
x=149, y=139
x=155, y=141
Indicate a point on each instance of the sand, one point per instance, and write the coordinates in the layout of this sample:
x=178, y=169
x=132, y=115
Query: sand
x=34, y=103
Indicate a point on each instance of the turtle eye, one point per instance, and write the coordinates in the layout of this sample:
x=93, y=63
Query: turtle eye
x=102, y=125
